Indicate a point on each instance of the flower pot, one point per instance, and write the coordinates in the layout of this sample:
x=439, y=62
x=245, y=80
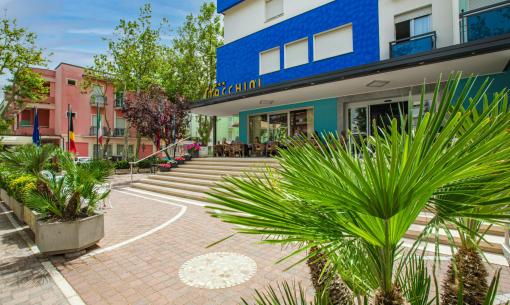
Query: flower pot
x=143, y=170
x=30, y=218
x=195, y=154
x=187, y=157
x=180, y=162
x=122, y=171
x=71, y=236
x=164, y=169
x=204, y=151
x=17, y=208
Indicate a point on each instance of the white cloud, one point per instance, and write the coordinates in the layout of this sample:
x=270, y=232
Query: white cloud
x=91, y=31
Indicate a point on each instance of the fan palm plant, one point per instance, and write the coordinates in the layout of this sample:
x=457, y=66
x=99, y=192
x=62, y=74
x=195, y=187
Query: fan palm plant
x=373, y=192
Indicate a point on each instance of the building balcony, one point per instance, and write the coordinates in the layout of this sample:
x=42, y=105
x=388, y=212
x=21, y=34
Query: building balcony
x=28, y=130
x=119, y=103
x=98, y=100
x=119, y=132
x=412, y=45
x=93, y=131
x=485, y=22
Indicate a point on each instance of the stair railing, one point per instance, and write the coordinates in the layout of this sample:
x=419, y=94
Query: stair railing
x=175, y=149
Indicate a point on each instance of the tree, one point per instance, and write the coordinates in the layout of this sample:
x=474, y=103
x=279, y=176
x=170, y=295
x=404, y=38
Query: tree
x=18, y=54
x=134, y=60
x=193, y=57
x=368, y=195
x=157, y=117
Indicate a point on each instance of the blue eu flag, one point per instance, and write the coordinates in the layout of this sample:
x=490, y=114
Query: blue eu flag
x=36, y=139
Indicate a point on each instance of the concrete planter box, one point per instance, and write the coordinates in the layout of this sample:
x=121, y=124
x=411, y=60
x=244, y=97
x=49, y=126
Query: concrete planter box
x=122, y=171
x=73, y=236
x=17, y=208
x=204, y=152
x=31, y=217
x=3, y=196
x=143, y=170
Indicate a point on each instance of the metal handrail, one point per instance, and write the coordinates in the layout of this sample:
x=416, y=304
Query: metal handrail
x=433, y=34
x=156, y=153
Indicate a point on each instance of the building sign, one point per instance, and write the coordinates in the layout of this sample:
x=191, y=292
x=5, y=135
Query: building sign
x=221, y=89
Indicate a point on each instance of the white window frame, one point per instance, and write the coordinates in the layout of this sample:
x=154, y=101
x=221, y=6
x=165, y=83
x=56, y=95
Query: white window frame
x=279, y=60
x=268, y=19
x=285, y=66
x=332, y=30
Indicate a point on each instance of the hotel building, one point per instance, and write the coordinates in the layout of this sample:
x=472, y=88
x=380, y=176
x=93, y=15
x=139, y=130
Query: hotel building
x=290, y=66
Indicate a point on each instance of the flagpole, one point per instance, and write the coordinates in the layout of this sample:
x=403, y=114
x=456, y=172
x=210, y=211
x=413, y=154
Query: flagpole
x=97, y=128
x=69, y=118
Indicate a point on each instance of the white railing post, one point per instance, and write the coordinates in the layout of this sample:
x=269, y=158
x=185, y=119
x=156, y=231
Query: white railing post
x=131, y=166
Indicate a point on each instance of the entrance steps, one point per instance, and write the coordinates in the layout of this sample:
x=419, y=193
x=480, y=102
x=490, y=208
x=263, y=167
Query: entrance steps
x=194, y=179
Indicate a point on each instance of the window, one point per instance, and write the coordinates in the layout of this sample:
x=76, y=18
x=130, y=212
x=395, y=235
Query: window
x=71, y=82
x=270, y=61
x=25, y=118
x=44, y=117
x=413, y=23
x=258, y=129
x=120, y=122
x=296, y=53
x=274, y=9
x=333, y=43
x=120, y=150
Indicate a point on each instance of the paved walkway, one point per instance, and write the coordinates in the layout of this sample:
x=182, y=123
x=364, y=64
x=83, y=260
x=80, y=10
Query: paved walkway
x=23, y=278
x=148, y=239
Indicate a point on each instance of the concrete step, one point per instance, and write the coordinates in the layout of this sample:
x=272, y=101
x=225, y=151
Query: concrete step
x=238, y=160
x=491, y=230
x=222, y=168
x=177, y=185
x=231, y=164
x=178, y=179
x=174, y=173
x=212, y=172
x=492, y=247
x=171, y=191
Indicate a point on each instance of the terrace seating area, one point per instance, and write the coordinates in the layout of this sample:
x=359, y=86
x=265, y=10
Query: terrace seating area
x=239, y=150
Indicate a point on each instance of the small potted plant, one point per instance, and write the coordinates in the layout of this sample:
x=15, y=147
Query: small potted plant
x=180, y=160
x=122, y=167
x=165, y=167
x=187, y=157
x=144, y=166
x=174, y=163
x=193, y=149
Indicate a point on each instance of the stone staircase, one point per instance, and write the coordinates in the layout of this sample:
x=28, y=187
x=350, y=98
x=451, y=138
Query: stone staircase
x=192, y=180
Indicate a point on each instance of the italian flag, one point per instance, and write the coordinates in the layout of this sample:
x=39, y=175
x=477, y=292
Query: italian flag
x=99, y=129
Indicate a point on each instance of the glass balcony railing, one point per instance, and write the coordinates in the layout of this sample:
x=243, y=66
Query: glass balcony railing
x=485, y=22
x=413, y=45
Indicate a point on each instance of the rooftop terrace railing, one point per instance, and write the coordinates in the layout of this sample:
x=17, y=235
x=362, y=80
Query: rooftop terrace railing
x=485, y=22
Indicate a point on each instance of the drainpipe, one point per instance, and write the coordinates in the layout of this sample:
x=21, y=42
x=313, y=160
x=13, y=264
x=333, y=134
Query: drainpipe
x=214, y=130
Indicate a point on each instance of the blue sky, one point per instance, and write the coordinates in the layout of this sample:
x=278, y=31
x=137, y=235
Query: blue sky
x=72, y=30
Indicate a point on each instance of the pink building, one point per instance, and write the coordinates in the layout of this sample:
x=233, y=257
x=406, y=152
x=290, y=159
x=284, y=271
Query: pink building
x=65, y=89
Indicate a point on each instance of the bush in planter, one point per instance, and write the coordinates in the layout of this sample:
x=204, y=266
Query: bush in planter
x=147, y=163
x=76, y=194
x=21, y=186
x=165, y=167
x=180, y=160
x=193, y=149
x=123, y=164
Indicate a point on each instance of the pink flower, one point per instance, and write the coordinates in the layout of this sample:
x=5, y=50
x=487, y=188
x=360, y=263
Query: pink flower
x=166, y=165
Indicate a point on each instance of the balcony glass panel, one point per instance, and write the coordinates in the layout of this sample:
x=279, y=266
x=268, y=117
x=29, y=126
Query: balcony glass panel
x=413, y=45
x=488, y=23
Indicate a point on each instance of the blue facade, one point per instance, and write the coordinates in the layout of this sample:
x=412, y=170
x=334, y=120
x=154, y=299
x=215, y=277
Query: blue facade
x=238, y=61
x=224, y=5
x=325, y=116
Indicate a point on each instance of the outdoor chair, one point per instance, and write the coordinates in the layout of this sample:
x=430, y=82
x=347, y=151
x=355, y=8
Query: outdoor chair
x=272, y=149
x=219, y=151
x=237, y=150
x=227, y=150
x=258, y=149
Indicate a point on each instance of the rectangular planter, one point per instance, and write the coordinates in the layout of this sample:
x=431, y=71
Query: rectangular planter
x=3, y=195
x=144, y=170
x=122, y=171
x=17, y=208
x=65, y=237
x=31, y=217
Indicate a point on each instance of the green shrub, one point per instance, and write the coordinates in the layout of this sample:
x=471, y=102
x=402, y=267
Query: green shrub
x=21, y=186
x=123, y=164
x=146, y=163
x=104, y=165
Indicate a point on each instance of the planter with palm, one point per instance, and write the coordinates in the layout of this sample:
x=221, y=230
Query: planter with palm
x=368, y=194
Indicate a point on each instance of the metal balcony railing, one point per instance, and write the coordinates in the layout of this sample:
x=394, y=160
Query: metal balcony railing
x=119, y=132
x=413, y=45
x=119, y=103
x=93, y=131
x=485, y=22
x=98, y=100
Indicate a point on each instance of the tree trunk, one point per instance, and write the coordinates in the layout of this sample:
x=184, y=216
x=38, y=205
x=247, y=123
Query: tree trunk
x=467, y=269
x=137, y=148
x=71, y=209
x=328, y=281
x=389, y=298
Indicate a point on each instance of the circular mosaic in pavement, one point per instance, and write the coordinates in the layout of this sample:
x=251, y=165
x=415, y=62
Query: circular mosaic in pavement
x=217, y=270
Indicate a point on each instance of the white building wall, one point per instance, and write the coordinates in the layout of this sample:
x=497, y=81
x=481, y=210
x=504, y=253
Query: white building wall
x=444, y=20
x=249, y=16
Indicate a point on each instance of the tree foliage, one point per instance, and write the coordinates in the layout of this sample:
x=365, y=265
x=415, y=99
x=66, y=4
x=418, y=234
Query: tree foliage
x=18, y=54
x=156, y=116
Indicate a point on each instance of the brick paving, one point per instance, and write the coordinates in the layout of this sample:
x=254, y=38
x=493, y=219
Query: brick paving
x=145, y=271
x=23, y=279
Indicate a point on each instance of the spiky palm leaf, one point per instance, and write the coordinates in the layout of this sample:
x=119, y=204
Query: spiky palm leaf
x=28, y=159
x=285, y=294
x=326, y=195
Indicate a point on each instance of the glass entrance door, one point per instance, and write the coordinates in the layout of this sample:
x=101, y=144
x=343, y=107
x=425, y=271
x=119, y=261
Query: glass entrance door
x=358, y=121
x=278, y=126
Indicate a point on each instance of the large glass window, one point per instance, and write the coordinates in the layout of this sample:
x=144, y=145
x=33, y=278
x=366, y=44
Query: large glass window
x=278, y=126
x=301, y=122
x=258, y=129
